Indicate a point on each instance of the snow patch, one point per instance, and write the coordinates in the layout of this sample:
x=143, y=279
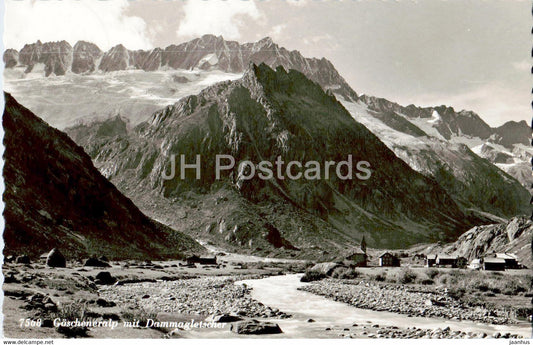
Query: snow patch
x=435, y=118
x=211, y=59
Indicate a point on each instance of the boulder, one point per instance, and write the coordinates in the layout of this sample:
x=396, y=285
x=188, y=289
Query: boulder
x=104, y=278
x=325, y=267
x=56, y=259
x=47, y=323
x=255, y=327
x=94, y=262
x=22, y=259
x=105, y=304
x=432, y=302
x=223, y=318
x=10, y=277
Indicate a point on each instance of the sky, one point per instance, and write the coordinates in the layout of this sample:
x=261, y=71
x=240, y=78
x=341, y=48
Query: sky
x=469, y=54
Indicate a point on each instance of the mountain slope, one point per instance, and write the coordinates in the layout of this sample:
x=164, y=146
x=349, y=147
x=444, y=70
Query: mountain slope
x=472, y=181
x=514, y=236
x=506, y=146
x=264, y=115
x=446, y=121
x=55, y=197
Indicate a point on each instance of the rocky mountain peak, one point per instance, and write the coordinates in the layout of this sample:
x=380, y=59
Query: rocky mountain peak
x=11, y=58
x=85, y=55
x=56, y=57
x=266, y=41
x=513, y=132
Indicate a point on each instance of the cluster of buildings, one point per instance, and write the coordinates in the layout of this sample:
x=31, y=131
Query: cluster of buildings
x=491, y=262
x=359, y=258
x=442, y=260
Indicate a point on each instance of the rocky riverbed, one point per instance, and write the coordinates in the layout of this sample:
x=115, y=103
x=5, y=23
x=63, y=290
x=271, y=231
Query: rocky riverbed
x=377, y=331
x=203, y=296
x=412, y=301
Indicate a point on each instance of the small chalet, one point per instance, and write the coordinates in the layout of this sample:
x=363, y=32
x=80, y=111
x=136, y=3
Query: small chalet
x=494, y=264
x=510, y=260
x=202, y=261
x=446, y=261
x=388, y=260
x=475, y=264
x=431, y=259
x=357, y=256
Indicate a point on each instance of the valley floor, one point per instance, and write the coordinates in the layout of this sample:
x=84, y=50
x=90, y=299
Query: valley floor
x=258, y=289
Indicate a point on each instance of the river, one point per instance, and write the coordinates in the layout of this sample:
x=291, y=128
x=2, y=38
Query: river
x=281, y=292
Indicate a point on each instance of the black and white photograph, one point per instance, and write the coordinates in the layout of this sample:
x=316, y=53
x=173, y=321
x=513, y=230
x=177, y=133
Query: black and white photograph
x=281, y=169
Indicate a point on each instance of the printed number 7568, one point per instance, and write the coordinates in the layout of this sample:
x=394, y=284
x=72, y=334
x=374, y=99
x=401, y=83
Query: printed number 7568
x=30, y=323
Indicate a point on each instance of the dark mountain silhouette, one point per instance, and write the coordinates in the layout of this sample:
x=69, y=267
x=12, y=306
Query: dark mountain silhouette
x=55, y=197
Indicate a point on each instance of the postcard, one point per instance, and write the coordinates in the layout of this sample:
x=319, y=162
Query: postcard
x=283, y=169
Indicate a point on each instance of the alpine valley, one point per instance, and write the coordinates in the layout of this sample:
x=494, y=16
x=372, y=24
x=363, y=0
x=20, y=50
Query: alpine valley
x=436, y=172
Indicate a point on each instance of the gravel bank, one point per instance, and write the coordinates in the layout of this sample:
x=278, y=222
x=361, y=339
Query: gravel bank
x=412, y=301
x=377, y=331
x=203, y=296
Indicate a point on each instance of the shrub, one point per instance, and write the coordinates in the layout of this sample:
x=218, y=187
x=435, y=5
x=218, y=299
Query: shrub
x=380, y=277
x=258, y=265
x=457, y=293
x=427, y=282
x=523, y=312
x=296, y=268
x=406, y=276
x=432, y=273
x=72, y=311
x=481, y=286
x=311, y=276
x=309, y=264
x=137, y=312
x=345, y=273
x=513, y=288
x=443, y=279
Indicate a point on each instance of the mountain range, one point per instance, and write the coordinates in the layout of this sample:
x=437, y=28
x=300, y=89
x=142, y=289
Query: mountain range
x=473, y=181
x=265, y=114
x=208, y=52
x=454, y=170
x=98, y=84
x=507, y=146
x=56, y=198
